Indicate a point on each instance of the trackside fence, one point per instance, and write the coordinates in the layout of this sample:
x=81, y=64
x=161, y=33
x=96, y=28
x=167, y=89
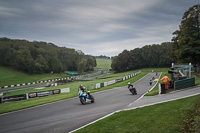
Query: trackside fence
x=184, y=83
x=100, y=85
x=6, y=99
x=32, y=83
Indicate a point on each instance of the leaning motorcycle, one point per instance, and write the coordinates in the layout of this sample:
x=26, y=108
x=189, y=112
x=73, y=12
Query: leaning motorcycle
x=84, y=96
x=132, y=89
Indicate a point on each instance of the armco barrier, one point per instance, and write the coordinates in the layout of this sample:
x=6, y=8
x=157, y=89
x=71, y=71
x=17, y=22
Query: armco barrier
x=5, y=99
x=105, y=83
x=99, y=85
x=118, y=80
x=13, y=98
x=65, y=90
x=44, y=81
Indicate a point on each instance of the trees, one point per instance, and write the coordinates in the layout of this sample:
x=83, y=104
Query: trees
x=135, y=59
x=147, y=56
x=186, y=40
x=120, y=63
x=41, y=57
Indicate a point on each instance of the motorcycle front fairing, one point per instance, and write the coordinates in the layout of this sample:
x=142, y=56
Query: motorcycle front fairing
x=83, y=94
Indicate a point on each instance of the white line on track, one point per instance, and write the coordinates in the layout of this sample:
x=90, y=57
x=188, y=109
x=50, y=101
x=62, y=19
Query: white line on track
x=162, y=102
x=145, y=92
x=110, y=113
x=133, y=109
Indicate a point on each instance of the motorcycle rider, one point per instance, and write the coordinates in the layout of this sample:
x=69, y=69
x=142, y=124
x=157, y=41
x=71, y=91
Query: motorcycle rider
x=150, y=82
x=130, y=85
x=132, y=88
x=81, y=88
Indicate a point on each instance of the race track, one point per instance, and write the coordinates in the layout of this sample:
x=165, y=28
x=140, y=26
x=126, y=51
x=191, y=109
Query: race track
x=67, y=115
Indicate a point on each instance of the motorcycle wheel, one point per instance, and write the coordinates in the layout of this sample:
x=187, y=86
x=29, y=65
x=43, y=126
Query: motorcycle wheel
x=92, y=99
x=82, y=101
x=135, y=91
x=132, y=91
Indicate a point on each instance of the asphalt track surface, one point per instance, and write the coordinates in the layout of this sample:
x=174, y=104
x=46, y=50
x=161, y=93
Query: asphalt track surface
x=70, y=114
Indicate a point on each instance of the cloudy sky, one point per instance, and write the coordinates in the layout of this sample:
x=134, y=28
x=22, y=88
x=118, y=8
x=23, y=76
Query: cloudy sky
x=97, y=27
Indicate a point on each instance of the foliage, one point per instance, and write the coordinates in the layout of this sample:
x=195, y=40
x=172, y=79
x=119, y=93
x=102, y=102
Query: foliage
x=145, y=57
x=102, y=57
x=120, y=64
x=186, y=40
x=41, y=57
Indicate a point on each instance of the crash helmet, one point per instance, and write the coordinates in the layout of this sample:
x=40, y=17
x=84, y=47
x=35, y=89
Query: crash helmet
x=129, y=83
x=81, y=86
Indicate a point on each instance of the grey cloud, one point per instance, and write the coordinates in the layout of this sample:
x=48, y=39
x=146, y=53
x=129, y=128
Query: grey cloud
x=96, y=27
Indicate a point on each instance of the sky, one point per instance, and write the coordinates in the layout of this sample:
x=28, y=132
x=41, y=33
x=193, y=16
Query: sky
x=96, y=27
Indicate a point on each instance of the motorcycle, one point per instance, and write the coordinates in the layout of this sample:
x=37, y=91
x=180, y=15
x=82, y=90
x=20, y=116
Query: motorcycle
x=132, y=89
x=84, y=95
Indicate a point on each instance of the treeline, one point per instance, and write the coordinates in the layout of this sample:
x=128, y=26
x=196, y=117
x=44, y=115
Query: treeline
x=145, y=57
x=184, y=48
x=102, y=57
x=186, y=40
x=41, y=57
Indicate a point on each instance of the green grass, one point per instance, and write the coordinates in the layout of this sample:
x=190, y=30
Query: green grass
x=197, y=77
x=161, y=118
x=12, y=77
x=13, y=106
x=104, y=63
x=74, y=85
x=7, y=107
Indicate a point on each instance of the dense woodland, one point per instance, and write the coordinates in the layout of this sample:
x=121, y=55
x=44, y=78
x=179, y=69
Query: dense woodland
x=147, y=56
x=102, y=57
x=186, y=40
x=184, y=48
x=41, y=57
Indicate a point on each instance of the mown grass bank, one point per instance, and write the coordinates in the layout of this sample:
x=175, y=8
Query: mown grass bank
x=104, y=63
x=161, y=118
x=12, y=77
x=9, y=76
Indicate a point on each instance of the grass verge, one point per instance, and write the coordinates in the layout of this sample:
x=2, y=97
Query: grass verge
x=192, y=123
x=197, y=77
x=161, y=118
